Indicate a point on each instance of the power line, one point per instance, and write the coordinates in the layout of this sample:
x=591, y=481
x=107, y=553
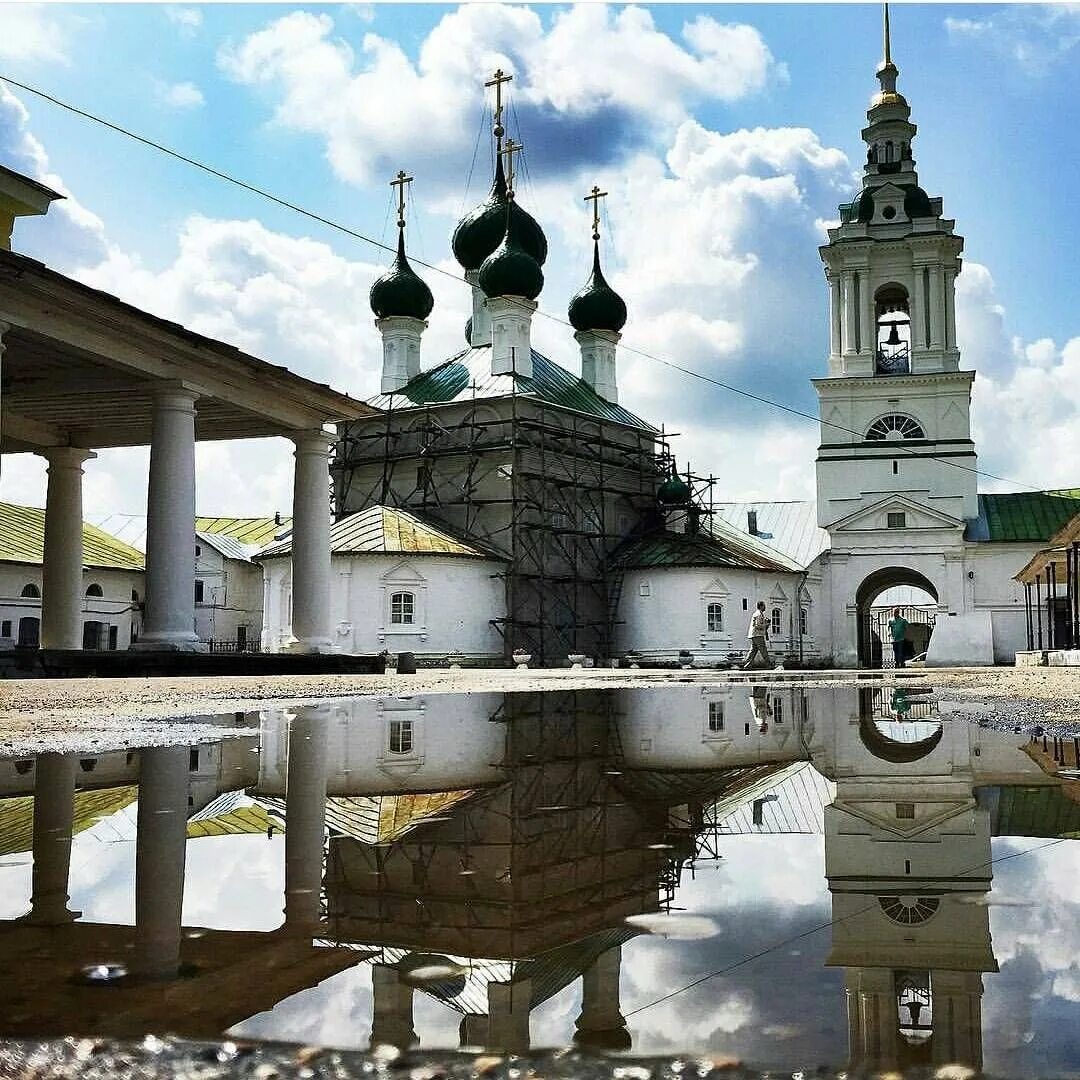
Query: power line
x=356, y=235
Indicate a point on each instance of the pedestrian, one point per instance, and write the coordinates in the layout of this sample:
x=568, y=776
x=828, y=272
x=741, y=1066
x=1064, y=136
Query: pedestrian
x=898, y=629
x=758, y=635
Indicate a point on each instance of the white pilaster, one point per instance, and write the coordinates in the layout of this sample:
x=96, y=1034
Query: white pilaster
x=311, y=542
x=401, y=350
x=848, y=329
x=62, y=560
x=160, y=853
x=169, y=622
x=511, y=346
x=54, y=816
x=305, y=817
x=835, y=319
x=937, y=308
x=598, y=361
x=950, y=307
x=481, y=320
x=867, y=344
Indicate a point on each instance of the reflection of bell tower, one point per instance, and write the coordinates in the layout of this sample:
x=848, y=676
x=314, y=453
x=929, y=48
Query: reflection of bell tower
x=891, y=265
x=907, y=855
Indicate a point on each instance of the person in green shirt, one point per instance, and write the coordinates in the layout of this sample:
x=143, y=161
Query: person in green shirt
x=898, y=628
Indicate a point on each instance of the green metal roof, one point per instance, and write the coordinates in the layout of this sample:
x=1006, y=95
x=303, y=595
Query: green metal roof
x=1023, y=516
x=1043, y=810
x=22, y=540
x=671, y=549
x=469, y=373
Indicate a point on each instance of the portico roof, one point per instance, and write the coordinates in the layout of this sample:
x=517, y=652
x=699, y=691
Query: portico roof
x=80, y=367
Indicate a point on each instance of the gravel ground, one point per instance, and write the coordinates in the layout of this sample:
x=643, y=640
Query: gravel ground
x=108, y=714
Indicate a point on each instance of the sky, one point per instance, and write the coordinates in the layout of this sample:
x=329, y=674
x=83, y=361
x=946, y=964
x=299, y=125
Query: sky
x=726, y=136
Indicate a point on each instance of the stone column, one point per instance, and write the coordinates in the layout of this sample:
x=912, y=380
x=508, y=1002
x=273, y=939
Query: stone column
x=54, y=816
x=311, y=542
x=937, y=308
x=62, y=562
x=305, y=817
x=169, y=622
x=918, y=313
x=848, y=329
x=867, y=335
x=601, y=1024
x=509, y=1005
x=160, y=851
x=835, y=316
x=392, y=1009
x=957, y=1018
x=950, y=308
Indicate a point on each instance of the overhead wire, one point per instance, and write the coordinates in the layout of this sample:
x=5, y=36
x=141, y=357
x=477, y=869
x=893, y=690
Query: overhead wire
x=346, y=230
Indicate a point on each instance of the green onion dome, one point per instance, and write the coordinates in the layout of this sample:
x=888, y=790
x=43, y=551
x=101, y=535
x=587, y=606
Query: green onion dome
x=597, y=306
x=400, y=291
x=511, y=270
x=479, y=233
x=674, y=491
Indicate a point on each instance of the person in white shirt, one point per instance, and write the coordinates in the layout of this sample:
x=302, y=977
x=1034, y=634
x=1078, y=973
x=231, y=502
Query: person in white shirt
x=758, y=635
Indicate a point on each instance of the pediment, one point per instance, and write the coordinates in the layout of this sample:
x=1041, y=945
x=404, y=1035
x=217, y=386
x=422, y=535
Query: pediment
x=882, y=815
x=403, y=571
x=875, y=517
x=716, y=587
x=890, y=191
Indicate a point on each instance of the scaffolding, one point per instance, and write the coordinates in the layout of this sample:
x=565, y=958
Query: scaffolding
x=551, y=490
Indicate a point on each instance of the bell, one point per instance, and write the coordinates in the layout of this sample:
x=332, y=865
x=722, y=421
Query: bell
x=894, y=336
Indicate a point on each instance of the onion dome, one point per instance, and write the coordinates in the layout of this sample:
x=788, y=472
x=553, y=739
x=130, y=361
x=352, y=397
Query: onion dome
x=479, y=233
x=400, y=291
x=917, y=203
x=597, y=306
x=468, y=330
x=674, y=491
x=511, y=269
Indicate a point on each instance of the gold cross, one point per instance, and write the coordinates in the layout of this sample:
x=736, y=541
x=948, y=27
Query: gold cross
x=399, y=182
x=511, y=149
x=594, y=197
x=497, y=81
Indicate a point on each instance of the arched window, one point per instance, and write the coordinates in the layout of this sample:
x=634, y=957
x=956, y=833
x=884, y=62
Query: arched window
x=893, y=336
x=777, y=622
x=909, y=910
x=94, y=590
x=714, y=615
x=400, y=737
x=31, y=590
x=402, y=608
x=895, y=427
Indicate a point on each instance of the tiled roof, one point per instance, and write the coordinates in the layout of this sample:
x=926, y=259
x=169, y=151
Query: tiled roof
x=469, y=374
x=671, y=549
x=22, y=540
x=1023, y=516
x=381, y=530
x=790, y=528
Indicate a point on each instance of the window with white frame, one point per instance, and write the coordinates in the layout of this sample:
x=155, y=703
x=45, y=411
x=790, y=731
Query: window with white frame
x=716, y=717
x=778, y=710
x=402, y=608
x=777, y=622
x=714, y=618
x=399, y=738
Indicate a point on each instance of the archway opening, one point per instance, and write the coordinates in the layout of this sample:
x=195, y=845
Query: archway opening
x=880, y=594
x=893, y=337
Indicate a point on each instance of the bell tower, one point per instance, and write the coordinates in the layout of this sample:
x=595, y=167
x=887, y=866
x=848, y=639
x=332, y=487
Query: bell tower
x=893, y=369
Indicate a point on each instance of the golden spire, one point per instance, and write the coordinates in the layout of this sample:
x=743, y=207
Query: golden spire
x=594, y=197
x=399, y=182
x=508, y=152
x=497, y=81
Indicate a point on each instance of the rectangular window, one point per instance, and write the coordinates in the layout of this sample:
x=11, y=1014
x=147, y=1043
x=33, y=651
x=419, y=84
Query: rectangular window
x=198, y=592
x=5, y=629
x=715, y=618
x=778, y=711
x=897, y=520
x=905, y=810
x=777, y=622
x=402, y=608
x=193, y=759
x=644, y=589
x=400, y=738
x=802, y=621
x=198, y=551
x=716, y=716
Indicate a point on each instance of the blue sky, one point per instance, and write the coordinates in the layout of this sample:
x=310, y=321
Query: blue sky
x=727, y=135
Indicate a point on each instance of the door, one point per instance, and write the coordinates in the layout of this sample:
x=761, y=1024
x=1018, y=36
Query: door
x=29, y=632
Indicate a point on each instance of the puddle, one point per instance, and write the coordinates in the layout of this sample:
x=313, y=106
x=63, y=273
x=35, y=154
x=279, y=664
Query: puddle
x=788, y=876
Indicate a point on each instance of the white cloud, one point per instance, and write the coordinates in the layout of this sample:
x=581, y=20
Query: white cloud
x=181, y=95
x=1037, y=37
x=187, y=20
x=32, y=32
x=377, y=106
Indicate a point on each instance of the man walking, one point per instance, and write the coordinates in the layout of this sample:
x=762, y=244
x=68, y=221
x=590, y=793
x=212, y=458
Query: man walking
x=898, y=629
x=758, y=635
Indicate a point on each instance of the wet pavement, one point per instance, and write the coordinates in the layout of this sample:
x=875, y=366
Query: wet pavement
x=791, y=877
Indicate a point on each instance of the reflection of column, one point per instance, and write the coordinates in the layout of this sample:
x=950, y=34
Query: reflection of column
x=872, y=1018
x=473, y=1031
x=601, y=1024
x=957, y=1018
x=311, y=542
x=392, y=1009
x=160, y=849
x=508, y=1012
x=54, y=816
x=305, y=817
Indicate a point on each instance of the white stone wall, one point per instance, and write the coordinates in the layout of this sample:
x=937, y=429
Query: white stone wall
x=665, y=609
x=232, y=596
x=116, y=608
x=455, y=600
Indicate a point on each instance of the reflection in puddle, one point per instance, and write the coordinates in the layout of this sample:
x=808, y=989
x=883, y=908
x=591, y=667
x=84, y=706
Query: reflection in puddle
x=621, y=869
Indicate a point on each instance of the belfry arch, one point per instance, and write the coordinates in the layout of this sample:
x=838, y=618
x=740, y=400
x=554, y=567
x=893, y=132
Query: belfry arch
x=873, y=585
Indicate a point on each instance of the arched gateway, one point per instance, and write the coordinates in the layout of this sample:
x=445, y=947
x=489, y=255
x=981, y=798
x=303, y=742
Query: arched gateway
x=873, y=585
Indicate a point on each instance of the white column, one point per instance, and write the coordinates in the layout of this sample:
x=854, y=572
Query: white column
x=919, y=312
x=54, y=816
x=160, y=851
x=169, y=622
x=392, y=1009
x=311, y=542
x=62, y=561
x=835, y=316
x=867, y=344
x=305, y=817
x=950, y=308
x=848, y=330
x=937, y=308
x=601, y=1024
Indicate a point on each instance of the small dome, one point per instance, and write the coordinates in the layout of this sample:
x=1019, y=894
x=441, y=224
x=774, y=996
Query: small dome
x=510, y=270
x=862, y=208
x=479, y=233
x=917, y=203
x=468, y=330
x=400, y=291
x=597, y=306
x=674, y=491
